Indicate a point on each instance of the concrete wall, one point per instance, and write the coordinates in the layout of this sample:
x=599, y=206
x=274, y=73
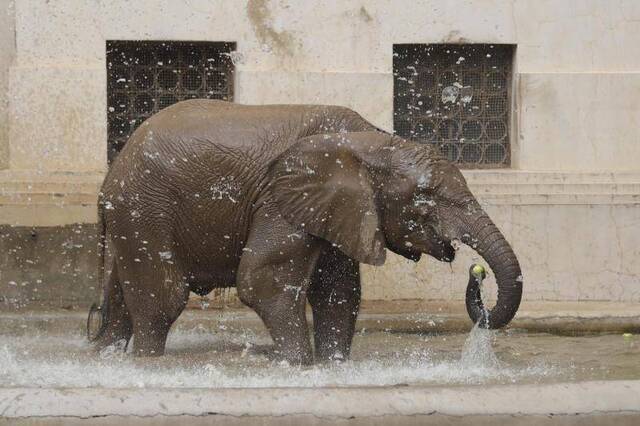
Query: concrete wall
x=49, y=265
x=569, y=204
x=7, y=54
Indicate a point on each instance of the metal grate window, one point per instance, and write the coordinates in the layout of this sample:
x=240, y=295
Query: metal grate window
x=457, y=97
x=144, y=77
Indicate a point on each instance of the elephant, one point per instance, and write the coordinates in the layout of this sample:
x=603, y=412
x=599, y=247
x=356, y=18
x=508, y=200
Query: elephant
x=282, y=202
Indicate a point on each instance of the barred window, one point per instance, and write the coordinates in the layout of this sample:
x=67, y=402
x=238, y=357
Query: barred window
x=144, y=77
x=457, y=97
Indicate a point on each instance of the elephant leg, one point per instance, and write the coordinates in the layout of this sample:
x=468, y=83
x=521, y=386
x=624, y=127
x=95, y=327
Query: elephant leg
x=273, y=278
x=155, y=296
x=117, y=321
x=334, y=296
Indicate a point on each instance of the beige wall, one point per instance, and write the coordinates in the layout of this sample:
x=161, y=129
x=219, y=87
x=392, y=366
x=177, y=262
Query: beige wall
x=569, y=204
x=577, y=237
x=7, y=53
x=579, y=121
x=575, y=59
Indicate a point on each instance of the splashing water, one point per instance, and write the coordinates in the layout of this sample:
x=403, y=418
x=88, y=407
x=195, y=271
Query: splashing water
x=115, y=351
x=478, y=349
x=235, y=358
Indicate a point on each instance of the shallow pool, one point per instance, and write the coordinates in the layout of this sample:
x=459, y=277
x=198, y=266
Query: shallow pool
x=229, y=356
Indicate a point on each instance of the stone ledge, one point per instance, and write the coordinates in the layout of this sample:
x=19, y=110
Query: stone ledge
x=29, y=198
x=581, y=398
x=27, y=182
x=518, y=187
x=32, y=198
x=542, y=176
x=488, y=197
x=411, y=316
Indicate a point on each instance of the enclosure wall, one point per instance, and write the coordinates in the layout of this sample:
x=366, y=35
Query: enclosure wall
x=569, y=203
x=7, y=53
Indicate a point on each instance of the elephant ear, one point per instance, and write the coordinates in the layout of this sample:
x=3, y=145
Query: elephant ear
x=321, y=187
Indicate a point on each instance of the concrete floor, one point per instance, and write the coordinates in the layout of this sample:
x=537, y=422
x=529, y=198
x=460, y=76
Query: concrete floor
x=296, y=420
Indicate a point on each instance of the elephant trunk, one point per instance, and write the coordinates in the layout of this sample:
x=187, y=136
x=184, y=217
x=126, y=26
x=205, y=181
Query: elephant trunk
x=484, y=237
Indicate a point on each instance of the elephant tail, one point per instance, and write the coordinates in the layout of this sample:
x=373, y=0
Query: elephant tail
x=96, y=324
x=109, y=322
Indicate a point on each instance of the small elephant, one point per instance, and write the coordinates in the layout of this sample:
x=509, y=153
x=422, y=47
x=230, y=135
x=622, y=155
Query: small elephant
x=283, y=202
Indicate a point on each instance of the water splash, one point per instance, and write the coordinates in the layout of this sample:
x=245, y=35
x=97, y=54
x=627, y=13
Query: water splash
x=236, y=358
x=115, y=351
x=478, y=349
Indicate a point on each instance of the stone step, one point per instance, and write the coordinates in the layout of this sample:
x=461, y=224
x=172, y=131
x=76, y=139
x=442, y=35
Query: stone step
x=542, y=177
x=499, y=187
x=556, y=188
x=30, y=199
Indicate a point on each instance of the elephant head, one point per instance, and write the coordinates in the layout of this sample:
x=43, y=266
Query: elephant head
x=367, y=191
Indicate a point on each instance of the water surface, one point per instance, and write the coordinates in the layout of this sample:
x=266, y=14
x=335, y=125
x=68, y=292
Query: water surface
x=234, y=357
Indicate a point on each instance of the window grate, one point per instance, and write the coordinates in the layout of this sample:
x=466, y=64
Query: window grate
x=457, y=97
x=144, y=77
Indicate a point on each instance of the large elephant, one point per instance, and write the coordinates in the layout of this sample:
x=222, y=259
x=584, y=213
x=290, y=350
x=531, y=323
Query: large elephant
x=283, y=202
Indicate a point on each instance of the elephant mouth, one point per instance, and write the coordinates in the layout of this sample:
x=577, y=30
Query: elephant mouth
x=448, y=252
x=444, y=251
x=406, y=252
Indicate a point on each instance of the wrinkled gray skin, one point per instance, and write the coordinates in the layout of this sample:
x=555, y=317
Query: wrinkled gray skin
x=282, y=202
